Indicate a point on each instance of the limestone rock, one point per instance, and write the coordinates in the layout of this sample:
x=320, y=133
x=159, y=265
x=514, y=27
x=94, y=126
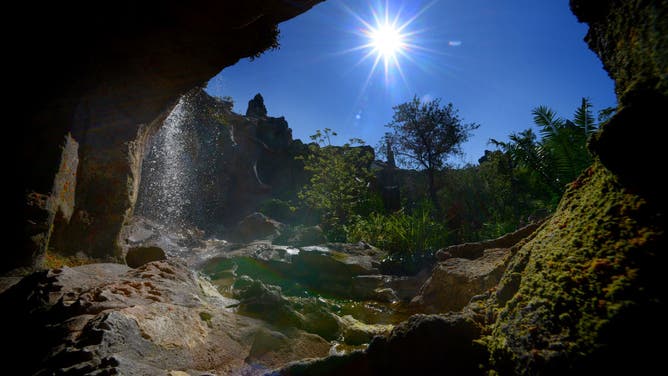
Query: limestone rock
x=160, y=317
x=455, y=281
x=267, y=302
x=355, y=332
x=113, y=135
x=584, y=287
x=257, y=226
x=139, y=256
x=423, y=345
x=475, y=250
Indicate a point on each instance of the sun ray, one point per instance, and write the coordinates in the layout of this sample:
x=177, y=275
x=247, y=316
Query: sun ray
x=388, y=35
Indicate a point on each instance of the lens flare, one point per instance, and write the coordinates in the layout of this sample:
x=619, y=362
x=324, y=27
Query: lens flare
x=388, y=38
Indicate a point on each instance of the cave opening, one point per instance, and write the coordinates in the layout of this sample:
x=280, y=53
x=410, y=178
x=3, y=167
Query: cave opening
x=172, y=202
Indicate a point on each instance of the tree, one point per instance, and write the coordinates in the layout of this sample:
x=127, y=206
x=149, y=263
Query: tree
x=561, y=154
x=424, y=135
x=339, y=179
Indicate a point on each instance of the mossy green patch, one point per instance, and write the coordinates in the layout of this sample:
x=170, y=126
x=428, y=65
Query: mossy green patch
x=583, y=274
x=206, y=317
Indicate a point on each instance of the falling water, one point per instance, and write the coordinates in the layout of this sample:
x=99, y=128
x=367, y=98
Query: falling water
x=165, y=196
x=183, y=179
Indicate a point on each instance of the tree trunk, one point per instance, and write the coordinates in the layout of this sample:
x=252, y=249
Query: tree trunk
x=432, y=191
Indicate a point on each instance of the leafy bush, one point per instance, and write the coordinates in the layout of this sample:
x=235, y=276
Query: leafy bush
x=400, y=233
x=339, y=180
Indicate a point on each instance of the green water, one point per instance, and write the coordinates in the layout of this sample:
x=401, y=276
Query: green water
x=223, y=273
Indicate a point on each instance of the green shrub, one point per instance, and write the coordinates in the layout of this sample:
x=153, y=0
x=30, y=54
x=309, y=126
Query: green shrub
x=400, y=233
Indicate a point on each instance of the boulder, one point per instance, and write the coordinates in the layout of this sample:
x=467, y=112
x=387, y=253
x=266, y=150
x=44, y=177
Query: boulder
x=455, y=281
x=139, y=256
x=273, y=347
x=155, y=319
x=476, y=249
x=422, y=345
x=355, y=332
x=301, y=236
x=256, y=226
x=267, y=303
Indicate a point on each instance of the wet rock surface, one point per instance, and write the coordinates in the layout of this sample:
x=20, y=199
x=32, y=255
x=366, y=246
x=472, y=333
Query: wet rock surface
x=160, y=317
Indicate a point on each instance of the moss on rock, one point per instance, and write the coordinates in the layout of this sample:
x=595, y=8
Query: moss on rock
x=588, y=286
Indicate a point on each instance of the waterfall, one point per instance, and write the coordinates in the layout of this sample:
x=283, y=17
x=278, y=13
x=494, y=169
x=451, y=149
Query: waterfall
x=168, y=175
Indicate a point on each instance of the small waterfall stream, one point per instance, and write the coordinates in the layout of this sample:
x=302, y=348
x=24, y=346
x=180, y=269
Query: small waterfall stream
x=166, y=191
x=183, y=180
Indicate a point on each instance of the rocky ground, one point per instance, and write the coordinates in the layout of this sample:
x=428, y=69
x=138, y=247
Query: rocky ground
x=228, y=308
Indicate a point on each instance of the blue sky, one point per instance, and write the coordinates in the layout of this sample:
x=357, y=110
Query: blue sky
x=494, y=60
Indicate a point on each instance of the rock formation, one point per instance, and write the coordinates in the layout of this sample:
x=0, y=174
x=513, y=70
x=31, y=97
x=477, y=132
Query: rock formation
x=227, y=165
x=108, y=75
x=256, y=107
x=156, y=319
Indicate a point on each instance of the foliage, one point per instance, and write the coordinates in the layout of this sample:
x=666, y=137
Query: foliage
x=586, y=273
x=561, y=154
x=490, y=199
x=339, y=181
x=267, y=40
x=520, y=182
x=400, y=232
x=424, y=135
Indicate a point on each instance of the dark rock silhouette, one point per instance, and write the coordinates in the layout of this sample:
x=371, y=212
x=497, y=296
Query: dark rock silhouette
x=120, y=69
x=139, y=256
x=231, y=164
x=256, y=107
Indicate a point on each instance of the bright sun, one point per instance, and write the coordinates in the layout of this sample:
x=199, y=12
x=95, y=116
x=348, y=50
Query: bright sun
x=387, y=40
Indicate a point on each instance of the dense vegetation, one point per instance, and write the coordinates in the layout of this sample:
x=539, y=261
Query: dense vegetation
x=520, y=180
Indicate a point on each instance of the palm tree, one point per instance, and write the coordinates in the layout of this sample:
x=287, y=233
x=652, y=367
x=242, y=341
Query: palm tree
x=561, y=154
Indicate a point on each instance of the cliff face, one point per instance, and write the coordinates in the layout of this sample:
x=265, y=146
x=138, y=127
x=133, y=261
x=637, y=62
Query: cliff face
x=584, y=294
x=108, y=74
x=216, y=166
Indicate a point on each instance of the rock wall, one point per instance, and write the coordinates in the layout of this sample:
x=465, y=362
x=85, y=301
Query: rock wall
x=631, y=38
x=107, y=73
x=225, y=166
x=584, y=295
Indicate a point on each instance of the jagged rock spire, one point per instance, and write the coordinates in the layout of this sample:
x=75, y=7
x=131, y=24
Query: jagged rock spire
x=390, y=154
x=256, y=107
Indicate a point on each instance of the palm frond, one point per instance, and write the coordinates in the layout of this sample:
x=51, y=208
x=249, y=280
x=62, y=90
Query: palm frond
x=583, y=117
